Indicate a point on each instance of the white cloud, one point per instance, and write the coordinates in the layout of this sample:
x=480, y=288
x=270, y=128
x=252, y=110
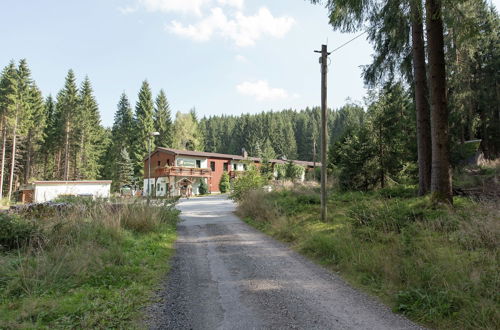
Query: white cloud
x=127, y=9
x=261, y=91
x=243, y=30
x=233, y=3
x=183, y=6
x=241, y=58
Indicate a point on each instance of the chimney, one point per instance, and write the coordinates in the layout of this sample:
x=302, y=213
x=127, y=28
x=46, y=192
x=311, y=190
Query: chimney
x=244, y=153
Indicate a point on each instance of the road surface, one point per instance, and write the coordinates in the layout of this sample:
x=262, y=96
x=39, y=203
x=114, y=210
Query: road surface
x=227, y=275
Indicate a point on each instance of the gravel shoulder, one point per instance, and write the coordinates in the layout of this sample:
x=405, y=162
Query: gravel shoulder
x=227, y=275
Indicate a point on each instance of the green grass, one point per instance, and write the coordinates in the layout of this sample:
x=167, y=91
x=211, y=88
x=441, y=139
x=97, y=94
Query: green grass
x=435, y=264
x=95, y=267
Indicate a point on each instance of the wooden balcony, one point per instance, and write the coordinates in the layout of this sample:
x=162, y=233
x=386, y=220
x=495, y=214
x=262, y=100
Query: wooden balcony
x=182, y=171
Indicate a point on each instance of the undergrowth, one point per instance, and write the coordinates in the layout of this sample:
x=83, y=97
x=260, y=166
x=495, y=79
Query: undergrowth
x=436, y=264
x=87, y=265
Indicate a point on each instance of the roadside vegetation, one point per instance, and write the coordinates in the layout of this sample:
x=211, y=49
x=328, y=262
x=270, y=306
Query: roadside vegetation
x=437, y=264
x=84, y=264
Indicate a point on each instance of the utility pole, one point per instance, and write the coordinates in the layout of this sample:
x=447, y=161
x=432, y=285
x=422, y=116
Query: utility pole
x=323, y=60
x=151, y=136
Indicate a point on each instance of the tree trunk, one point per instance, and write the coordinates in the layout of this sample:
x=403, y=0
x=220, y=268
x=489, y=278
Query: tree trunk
x=29, y=155
x=66, y=152
x=13, y=160
x=421, y=101
x=441, y=174
x=2, y=165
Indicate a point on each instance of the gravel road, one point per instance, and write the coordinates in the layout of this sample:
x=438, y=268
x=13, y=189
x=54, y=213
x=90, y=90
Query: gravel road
x=227, y=275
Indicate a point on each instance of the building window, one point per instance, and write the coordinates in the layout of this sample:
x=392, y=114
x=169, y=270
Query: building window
x=159, y=163
x=157, y=187
x=168, y=162
x=235, y=167
x=198, y=163
x=245, y=167
x=225, y=166
x=212, y=166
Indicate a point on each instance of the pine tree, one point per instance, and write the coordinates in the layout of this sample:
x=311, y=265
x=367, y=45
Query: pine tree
x=21, y=116
x=441, y=172
x=50, y=143
x=125, y=170
x=36, y=123
x=8, y=92
x=144, y=126
x=67, y=112
x=89, y=134
x=163, y=121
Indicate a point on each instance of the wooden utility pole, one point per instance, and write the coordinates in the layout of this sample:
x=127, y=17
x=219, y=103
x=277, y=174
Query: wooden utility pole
x=323, y=60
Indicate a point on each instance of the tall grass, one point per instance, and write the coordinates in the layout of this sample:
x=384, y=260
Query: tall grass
x=54, y=267
x=436, y=264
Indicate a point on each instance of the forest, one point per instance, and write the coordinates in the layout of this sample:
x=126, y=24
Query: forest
x=387, y=138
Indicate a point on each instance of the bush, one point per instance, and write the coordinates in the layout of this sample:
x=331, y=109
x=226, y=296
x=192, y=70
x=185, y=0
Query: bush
x=250, y=180
x=15, y=231
x=224, y=183
x=203, y=188
x=294, y=171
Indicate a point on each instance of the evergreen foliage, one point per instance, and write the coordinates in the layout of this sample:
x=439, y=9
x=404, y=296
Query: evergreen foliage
x=144, y=110
x=163, y=121
x=203, y=187
x=224, y=184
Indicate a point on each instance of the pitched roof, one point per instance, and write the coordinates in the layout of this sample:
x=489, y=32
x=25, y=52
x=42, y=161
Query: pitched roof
x=227, y=156
x=205, y=154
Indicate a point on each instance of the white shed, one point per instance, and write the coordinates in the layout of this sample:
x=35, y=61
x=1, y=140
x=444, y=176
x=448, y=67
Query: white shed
x=43, y=191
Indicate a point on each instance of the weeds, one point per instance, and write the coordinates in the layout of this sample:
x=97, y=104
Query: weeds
x=436, y=264
x=91, y=264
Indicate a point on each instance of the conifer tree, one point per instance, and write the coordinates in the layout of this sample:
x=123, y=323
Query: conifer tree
x=89, y=134
x=50, y=143
x=125, y=170
x=163, y=121
x=8, y=92
x=36, y=122
x=144, y=126
x=67, y=112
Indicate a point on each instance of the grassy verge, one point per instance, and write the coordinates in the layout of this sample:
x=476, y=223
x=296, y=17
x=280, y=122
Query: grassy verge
x=437, y=265
x=93, y=265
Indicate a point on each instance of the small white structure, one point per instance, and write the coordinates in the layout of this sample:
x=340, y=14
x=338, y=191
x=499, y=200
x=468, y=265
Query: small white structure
x=43, y=191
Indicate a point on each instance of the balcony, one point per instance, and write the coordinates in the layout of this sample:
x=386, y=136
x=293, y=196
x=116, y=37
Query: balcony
x=182, y=171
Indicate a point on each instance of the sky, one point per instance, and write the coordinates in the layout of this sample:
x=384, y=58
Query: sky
x=218, y=56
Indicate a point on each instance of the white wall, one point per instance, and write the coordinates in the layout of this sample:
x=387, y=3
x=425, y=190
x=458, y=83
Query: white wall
x=239, y=166
x=49, y=191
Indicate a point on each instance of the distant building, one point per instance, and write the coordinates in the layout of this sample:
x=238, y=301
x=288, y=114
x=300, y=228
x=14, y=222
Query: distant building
x=44, y=191
x=179, y=172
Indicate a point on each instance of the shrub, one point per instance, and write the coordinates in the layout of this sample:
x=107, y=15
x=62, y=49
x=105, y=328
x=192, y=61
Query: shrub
x=294, y=171
x=224, y=183
x=15, y=231
x=250, y=180
x=203, y=188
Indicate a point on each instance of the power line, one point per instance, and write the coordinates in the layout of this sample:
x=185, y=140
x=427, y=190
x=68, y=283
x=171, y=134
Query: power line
x=348, y=42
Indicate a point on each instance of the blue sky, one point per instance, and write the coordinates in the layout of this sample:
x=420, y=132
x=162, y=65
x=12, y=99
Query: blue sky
x=219, y=56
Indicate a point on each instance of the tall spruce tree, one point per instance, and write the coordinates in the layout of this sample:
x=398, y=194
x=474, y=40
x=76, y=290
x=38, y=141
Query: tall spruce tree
x=50, y=143
x=144, y=110
x=89, y=133
x=36, y=123
x=67, y=112
x=8, y=92
x=163, y=121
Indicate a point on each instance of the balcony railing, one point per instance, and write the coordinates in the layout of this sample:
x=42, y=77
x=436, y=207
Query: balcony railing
x=182, y=171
